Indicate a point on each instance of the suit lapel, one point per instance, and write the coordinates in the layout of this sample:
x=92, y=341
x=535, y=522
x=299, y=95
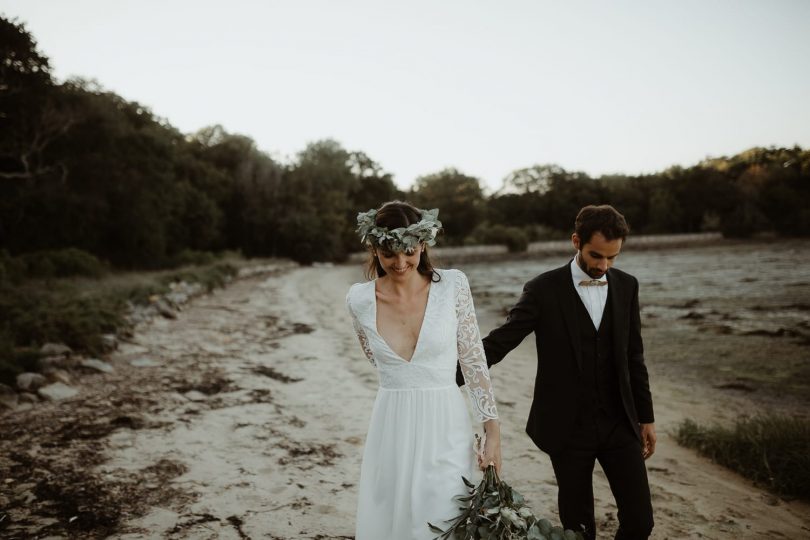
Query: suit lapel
x=568, y=298
x=615, y=304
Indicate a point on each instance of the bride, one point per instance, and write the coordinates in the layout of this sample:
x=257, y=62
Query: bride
x=415, y=324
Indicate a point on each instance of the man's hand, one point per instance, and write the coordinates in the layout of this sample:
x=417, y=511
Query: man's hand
x=648, y=439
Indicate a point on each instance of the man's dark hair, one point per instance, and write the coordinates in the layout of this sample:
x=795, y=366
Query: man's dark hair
x=604, y=219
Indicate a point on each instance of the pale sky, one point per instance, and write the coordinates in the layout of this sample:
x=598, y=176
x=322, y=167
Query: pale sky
x=486, y=87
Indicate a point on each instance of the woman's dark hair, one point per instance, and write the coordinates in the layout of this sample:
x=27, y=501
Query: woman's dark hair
x=392, y=215
x=604, y=219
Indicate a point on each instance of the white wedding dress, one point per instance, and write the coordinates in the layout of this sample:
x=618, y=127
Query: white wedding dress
x=420, y=441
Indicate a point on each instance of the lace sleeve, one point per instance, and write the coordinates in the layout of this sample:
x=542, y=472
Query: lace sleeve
x=471, y=357
x=361, y=334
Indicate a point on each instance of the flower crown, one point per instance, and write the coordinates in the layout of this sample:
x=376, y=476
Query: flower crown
x=401, y=238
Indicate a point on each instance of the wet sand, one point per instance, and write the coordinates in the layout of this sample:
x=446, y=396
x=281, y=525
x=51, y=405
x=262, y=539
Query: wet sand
x=250, y=420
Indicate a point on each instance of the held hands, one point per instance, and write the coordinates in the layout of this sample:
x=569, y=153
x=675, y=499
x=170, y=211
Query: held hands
x=648, y=439
x=492, y=446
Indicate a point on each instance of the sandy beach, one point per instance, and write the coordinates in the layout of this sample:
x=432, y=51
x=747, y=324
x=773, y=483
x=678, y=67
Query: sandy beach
x=245, y=418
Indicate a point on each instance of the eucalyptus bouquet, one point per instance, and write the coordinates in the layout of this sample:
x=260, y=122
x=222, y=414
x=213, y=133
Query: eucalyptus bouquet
x=495, y=511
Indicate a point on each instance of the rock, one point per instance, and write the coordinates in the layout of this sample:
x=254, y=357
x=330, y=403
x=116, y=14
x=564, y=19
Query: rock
x=8, y=397
x=57, y=391
x=194, y=289
x=30, y=381
x=58, y=361
x=137, y=317
x=174, y=285
x=26, y=397
x=143, y=314
x=131, y=349
x=109, y=342
x=52, y=349
x=57, y=375
x=164, y=309
x=96, y=364
x=194, y=395
x=177, y=298
x=143, y=362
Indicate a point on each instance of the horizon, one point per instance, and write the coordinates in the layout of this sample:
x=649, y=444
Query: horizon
x=633, y=90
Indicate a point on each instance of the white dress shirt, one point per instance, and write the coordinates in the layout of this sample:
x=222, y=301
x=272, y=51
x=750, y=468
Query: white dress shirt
x=594, y=297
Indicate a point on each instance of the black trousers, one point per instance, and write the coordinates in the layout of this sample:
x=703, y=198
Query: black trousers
x=610, y=440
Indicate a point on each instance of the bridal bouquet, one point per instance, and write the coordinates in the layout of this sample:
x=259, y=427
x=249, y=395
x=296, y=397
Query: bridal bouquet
x=495, y=511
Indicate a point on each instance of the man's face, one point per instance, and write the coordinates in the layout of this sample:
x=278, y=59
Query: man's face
x=598, y=255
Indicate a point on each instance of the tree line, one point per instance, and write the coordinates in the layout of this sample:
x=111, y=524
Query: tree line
x=81, y=167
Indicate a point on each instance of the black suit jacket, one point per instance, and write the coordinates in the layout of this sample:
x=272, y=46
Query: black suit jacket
x=547, y=307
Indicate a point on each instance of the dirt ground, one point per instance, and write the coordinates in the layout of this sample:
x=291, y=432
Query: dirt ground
x=245, y=417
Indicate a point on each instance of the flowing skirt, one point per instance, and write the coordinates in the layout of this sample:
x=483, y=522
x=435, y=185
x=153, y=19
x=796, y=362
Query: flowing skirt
x=418, y=447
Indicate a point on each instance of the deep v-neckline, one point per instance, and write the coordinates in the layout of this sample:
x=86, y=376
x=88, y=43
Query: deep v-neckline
x=421, y=326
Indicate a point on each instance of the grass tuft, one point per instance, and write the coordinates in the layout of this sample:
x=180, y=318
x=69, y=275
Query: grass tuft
x=771, y=450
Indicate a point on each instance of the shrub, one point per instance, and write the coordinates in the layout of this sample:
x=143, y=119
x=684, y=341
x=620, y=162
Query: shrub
x=12, y=269
x=745, y=220
x=543, y=233
x=78, y=315
x=189, y=257
x=15, y=360
x=210, y=277
x=514, y=238
x=771, y=450
x=35, y=316
x=61, y=263
x=30, y=317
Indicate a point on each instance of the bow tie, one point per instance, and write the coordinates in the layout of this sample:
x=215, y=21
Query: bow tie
x=593, y=282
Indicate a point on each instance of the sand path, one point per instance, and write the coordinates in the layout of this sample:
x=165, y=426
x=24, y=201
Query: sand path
x=289, y=469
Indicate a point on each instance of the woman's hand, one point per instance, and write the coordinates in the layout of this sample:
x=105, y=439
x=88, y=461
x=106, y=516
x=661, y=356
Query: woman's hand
x=492, y=446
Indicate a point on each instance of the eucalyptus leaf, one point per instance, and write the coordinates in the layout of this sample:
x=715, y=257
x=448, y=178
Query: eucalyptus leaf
x=401, y=238
x=435, y=529
x=571, y=535
x=495, y=511
x=534, y=533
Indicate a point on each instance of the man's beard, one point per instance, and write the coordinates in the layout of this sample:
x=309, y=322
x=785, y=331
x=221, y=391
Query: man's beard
x=595, y=273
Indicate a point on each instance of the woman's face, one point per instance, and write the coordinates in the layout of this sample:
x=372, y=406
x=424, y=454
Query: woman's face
x=399, y=263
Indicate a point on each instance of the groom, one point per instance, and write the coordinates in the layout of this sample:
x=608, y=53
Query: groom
x=592, y=398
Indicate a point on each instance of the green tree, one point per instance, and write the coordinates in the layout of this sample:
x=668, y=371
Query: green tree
x=32, y=117
x=631, y=196
x=518, y=210
x=459, y=198
x=318, y=190
x=245, y=185
x=567, y=194
x=373, y=185
x=534, y=179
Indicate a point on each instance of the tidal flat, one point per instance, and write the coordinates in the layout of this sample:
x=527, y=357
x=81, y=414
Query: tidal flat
x=730, y=320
